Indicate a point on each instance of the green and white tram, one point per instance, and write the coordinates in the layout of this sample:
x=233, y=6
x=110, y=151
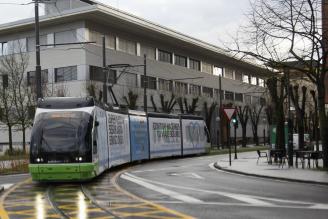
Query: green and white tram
x=73, y=139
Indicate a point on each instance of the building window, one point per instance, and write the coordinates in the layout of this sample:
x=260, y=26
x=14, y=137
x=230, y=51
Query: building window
x=165, y=85
x=253, y=80
x=255, y=100
x=68, y=36
x=127, y=46
x=208, y=92
x=151, y=81
x=148, y=51
x=128, y=79
x=218, y=71
x=194, y=89
x=248, y=99
x=181, y=88
x=180, y=60
x=245, y=79
x=261, y=82
x=228, y=95
x=16, y=46
x=97, y=74
x=207, y=68
x=66, y=74
x=110, y=41
x=194, y=64
x=164, y=56
x=31, y=78
x=238, y=76
x=31, y=43
x=228, y=73
x=239, y=97
x=262, y=101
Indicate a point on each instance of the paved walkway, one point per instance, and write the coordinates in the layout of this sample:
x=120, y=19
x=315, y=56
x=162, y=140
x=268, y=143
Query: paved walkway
x=246, y=164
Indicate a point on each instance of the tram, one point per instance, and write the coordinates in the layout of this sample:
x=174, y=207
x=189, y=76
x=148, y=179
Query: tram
x=74, y=139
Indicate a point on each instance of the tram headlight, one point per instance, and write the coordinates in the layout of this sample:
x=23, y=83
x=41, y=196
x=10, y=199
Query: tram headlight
x=38, y=160
x=80, y=158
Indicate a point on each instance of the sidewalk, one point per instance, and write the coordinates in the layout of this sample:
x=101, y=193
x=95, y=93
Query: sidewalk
x=246, y=164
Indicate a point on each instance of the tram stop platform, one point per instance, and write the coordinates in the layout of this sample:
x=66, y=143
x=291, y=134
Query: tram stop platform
x=246, y=164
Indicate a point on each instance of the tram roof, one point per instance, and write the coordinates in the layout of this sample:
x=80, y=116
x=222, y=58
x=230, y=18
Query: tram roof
x=65, y=102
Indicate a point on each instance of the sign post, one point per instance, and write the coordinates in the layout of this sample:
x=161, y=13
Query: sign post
x=229, y=112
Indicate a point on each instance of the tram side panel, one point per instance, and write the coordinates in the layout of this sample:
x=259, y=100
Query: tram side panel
x=164, y=137
x=194, y=136
x=139, y=138
x=100, y=149
x=118, y=138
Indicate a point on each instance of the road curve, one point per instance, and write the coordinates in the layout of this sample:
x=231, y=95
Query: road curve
x=194, y=187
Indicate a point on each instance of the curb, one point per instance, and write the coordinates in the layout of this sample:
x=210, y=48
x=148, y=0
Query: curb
x=270, y=177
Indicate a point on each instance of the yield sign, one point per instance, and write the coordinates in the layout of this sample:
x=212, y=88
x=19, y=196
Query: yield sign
x=229, y=112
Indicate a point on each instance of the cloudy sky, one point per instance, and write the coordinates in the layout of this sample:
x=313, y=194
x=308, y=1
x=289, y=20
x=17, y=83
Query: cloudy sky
x=209, y=20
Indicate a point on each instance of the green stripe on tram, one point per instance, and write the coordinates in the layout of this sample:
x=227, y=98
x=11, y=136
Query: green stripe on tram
x=58, y=172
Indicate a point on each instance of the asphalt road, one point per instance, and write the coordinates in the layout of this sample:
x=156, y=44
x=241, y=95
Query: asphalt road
x=12, y=179
x=194, y=187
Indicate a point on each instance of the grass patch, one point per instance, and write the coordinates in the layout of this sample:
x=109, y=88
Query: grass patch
x=215, y=151
x=13, y=157
x=13, y=164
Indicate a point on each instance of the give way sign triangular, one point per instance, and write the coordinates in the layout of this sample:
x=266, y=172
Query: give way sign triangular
x=229, y=112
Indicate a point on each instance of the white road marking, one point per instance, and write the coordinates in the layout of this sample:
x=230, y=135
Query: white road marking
x=251, y=200
x=188, y=175
x=6, y=186
x=172, y=194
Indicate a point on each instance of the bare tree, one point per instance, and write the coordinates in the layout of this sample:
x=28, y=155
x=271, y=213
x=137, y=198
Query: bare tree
x=18, y=96
x=315, y=119
x=7, y=106
x=290, y=35
x=243, y=116
x=208, y=112
x=300, y=111
x=187, y=108
x=153, y=103
x=167, y=105
x=131, y=100
x=255, y=113
x=277, y=94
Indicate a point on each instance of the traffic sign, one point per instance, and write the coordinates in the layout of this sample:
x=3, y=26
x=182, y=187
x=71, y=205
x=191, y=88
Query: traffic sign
x=229, y=112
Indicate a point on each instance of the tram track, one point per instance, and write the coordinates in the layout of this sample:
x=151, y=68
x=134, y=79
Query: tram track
x=87, y=194
x=54, y=205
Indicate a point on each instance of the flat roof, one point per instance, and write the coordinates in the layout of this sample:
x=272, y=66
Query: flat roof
x=104, y=13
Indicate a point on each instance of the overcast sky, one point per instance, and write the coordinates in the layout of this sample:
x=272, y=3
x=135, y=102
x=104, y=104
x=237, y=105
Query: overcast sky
x=208, y=20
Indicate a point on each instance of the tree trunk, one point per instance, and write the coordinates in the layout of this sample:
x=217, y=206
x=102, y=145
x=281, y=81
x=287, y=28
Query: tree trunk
x=301, y=134
x=10, y=137
x=280, y=129
x=244, y=139
x=24, y=137
x=256, y=138
x=323, y=123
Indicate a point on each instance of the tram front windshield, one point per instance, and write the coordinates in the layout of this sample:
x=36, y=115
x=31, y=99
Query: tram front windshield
x=62, y=137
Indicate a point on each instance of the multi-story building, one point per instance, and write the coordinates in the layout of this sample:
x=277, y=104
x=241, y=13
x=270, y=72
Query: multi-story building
x=176, y=63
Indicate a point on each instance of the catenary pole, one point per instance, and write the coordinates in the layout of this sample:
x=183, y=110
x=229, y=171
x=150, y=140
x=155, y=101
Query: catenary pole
x=37, y=51
x=104, y=69
x=145, y=83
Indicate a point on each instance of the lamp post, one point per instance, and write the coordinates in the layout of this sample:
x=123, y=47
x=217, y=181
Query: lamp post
x=264, y=124
x=235, y=125
x=217, y=119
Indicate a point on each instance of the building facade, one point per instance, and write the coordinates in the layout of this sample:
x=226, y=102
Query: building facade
x=176, y=63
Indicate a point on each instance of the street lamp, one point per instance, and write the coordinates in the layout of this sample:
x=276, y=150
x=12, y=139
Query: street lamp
x=264, y=124
x=235, y=124
x=218, y=119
